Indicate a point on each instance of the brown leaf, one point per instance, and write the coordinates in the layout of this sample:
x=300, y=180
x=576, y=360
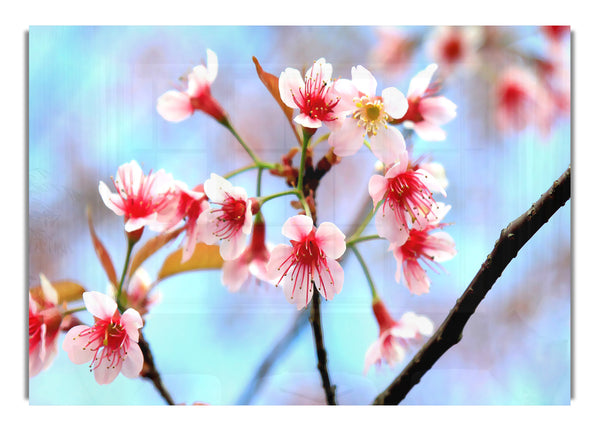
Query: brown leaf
x=101, y=252
x=67, y=290
x=271, y=82
x=204, y=257
x=150, y=247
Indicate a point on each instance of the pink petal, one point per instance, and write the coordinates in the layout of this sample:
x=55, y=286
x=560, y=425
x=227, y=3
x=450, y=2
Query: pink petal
x=306, y=121
x=320, y=71
x=109, y=199
x=290, y=83
x=132, y=321
x=430, y=182
x=331, y=240
x=133, y=362
x=174, y=106
x=437, y=110
x=377, y=188
x=346, y=91
x=348, y=139
x=99, y=304
x=429, y=131
x=49, y=291
x=212, y=65
x=388, y=145
x=337, y=273
x=440, y=246
x=104, y=373
x=421, y=81
x=218, y=188
x=373, y=355
x=416, y=278
x=279, y=255
x=232, y=247
x=399, y=167
x=297, y=227
x=199, y=82
x=364, y=81
x=76, y=346
x=235, y=273
x=394, y=102
x=134, y=224
x=388, y=227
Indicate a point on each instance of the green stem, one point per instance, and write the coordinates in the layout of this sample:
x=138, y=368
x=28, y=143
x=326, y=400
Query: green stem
x=276, y=195
x=229, y=127
x=258, y=181
x=365, y=270
x=305, y=140
x=361, y=239
x=130, y=244
x=73, y=310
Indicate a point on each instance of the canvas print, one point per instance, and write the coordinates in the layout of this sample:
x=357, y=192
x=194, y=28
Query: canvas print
x=299, y=215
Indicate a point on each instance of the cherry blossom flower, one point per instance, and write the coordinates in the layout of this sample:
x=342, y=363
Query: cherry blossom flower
x=369, y=118
x=451, y=47
x=407, y=199
x=44, y=327
x=394, y=49
x=521, y=101
x=176, y=105
x=111, y=344
x=425, y=247
x=253, y=261
x=142, y=200
x=395, y=337
x=315, y=96
x=310, y=259
x=231, y=222
x=191, y=204
x=426, y=111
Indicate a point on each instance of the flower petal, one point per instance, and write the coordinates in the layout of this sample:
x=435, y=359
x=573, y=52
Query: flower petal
x=297, y=227
x=437, y=110
x=217, y=188
x=364, y=81
x=99, y=304
x=420, y=82
x=232, y=247
x=132, y=321
x=429, y=131
x=330, y=240
x=306, y=121
x=109, y=199
x=394, y=102
x=348, y=139
x=388, y=227
x=235, y=273
x=388, y=145
x=373, y=355
x=280, y=254
x=133, y=362
x=77, y=347
x=105, y=373
x=174, y=106
x=377, y=188
x=212, y=65
x=290, y=83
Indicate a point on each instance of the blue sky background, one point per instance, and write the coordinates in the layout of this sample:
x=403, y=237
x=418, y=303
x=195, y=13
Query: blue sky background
x=92, y=96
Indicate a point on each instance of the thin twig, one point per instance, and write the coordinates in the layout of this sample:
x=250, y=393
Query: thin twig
x=278, y=350
x=315, y=322
x=516, y=234
x=150, y=372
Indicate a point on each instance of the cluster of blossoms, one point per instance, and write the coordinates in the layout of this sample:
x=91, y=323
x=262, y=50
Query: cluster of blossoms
x=216, y=212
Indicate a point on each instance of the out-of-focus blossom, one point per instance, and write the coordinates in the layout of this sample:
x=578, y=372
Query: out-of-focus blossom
x=231, y=222
x=369, y=118
x=423, y=247
x=437, y=170
x=176, y=105
x=556, y=33
x=44, y=327
x=310, y=259
x=453, y=47
x=394, y=49
x=426, y=111
x=111, y=344
x=407, y=200
x=191, y=203
x=315, y=96
x=521, y=101
x=138, y=292
x=142, y=200
x=253, y=261
x=395, y=337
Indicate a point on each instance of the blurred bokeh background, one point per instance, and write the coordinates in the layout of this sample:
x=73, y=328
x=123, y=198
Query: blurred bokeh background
x=92, y=107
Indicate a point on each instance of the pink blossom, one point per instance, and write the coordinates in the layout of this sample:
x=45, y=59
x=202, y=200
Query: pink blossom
x=426, y=111
x=176, y=105
x=395, y=337
x=407, y=200
x=315, y=96
x=44, y=327
x=253, y=261
x=111, y=344
x=521, y=101
x=310, y=259
x=394, y=49
x=191, y=203
x=369, y=118
x=139, y=295
x=231, y=222
x=451, y=47
x=142, y=200
x=426, y=248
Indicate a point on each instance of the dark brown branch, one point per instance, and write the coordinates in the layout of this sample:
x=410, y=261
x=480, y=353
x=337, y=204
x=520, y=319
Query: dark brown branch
x=516, y=234
x=315, y=321
x=280, y=347
x=150, y=372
